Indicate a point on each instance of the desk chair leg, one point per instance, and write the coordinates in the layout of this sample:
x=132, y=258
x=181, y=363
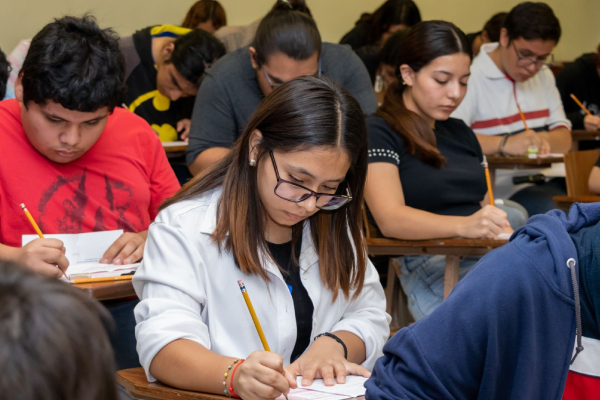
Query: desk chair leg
x=396, y=306
x=451, y=274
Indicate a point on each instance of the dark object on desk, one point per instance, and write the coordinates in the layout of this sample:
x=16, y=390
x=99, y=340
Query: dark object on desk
x=537, y=179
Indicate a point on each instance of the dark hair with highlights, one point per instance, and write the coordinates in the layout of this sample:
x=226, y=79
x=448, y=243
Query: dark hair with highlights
x=302, y=114
x=5, y=69
x=53, y=340
x=203, y=11
x=422, y=44
x=194, y=52
x=74, y=63
x=532, y=21
x=289, y=31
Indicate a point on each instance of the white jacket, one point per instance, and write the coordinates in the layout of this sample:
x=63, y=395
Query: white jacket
x=189, y=290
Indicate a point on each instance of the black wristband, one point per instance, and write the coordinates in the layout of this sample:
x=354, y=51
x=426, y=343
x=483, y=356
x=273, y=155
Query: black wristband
x=337, y=339
x=502, y=144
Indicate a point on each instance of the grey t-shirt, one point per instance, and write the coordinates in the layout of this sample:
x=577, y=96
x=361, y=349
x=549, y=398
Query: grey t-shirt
x=229, y=94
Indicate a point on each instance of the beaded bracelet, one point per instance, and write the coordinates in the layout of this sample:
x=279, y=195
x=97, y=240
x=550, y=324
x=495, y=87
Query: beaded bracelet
x=231, y=380
x=225, y=375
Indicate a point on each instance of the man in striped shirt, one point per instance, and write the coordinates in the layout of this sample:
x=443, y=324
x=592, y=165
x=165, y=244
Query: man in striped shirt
x=512, y=102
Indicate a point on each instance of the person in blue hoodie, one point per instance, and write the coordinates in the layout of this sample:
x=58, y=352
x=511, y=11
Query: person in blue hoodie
x=513, y=327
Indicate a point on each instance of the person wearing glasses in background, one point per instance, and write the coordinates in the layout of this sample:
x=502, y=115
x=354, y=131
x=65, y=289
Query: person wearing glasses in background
x=287, y=45
x=282, y=212
x=509, y=77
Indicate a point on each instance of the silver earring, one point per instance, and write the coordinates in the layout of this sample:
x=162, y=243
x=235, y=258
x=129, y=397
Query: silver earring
x=252, y=163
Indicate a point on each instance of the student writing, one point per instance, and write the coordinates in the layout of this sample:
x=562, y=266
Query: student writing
x=282, y=208
x=425, y=175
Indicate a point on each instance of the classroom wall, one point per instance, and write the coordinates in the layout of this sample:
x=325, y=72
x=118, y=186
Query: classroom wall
x=23, y=18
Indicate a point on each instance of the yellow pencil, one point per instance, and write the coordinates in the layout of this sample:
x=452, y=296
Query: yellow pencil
x=489, y=183
x=104, y=279
x=580, y=104
x=35, y=226
x=523, y=117
x=32, y=221
x=261, y=335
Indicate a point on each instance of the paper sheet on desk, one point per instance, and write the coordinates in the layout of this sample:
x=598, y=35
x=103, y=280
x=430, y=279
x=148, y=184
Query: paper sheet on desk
x=84, y=251
x=174, y=144
x=82, y=247
x=354, y=387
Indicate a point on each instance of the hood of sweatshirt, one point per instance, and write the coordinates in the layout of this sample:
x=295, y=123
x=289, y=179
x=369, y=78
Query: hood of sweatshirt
x=506, y=331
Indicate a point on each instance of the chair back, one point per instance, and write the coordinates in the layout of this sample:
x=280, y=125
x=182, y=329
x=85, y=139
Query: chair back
x=578, y=165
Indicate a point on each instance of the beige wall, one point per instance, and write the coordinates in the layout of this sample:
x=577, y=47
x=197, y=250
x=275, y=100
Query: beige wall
x=23, y=18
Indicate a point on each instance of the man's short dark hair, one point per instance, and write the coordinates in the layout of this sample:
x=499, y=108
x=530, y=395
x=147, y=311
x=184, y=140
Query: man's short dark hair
x=194, y=52
x=532, y=21
x=74, y=63
x=53, y=340
x=4, y=73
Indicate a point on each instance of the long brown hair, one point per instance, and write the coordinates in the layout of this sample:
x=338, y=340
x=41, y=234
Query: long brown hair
x=302, y=114
x=203, y=11
x=422, y=44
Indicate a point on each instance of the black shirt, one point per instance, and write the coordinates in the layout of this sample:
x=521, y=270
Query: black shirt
x=303, y=306
x=455, y=189
x=581, y=79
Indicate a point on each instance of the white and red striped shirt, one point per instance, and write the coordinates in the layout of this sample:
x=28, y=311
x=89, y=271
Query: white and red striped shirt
x=583, y=381
x=491, y=107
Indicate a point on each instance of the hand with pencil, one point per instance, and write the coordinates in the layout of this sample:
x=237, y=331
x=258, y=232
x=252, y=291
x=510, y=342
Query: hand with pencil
x=517, y=145
x=43, y=256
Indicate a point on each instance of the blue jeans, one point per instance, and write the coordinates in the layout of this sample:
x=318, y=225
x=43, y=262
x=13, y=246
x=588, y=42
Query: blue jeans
x=422, y=280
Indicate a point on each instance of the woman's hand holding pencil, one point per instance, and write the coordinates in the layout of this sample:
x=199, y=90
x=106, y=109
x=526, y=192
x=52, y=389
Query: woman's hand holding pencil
x=261, y=376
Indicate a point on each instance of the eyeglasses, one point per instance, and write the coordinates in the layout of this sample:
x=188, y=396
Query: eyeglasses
x=525, y=62
x=276, y=85
x=295, y=193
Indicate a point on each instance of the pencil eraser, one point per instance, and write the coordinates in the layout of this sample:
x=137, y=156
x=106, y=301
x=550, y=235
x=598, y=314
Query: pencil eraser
x=240, y=282
x=22, y=205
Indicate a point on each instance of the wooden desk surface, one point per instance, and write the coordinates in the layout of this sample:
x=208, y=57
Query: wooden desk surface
x=456, y=246
x=565, y=202
x=135, y=383
x=514, y=162
x=174, y=147
x=585, y=135
x=108, y=290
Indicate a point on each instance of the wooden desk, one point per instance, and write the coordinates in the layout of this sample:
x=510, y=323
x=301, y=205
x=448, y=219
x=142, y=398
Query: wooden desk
x=453, y=249
x=565, y=202
x=175, y=147
x=108, y=290
x=135, y=383
x=521, y=162
x=579, y=136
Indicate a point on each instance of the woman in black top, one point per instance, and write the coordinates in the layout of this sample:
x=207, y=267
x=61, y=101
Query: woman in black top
x=582, y=78
x=425, y=177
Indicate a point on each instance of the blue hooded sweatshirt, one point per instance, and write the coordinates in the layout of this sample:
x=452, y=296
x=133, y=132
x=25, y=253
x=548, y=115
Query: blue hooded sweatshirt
x=507, y=330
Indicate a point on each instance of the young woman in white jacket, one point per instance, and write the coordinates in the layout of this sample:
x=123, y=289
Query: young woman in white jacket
x=282, y=212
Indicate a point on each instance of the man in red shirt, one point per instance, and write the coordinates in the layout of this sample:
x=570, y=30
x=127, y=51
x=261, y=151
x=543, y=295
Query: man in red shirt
x=78, y=162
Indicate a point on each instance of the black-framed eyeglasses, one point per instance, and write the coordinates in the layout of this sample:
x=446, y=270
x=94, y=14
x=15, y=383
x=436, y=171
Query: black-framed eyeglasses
x=296, y=193
x=276, y=85
x=528, y=61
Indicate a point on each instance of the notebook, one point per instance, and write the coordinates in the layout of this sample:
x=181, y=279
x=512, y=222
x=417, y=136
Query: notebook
x=84, y=251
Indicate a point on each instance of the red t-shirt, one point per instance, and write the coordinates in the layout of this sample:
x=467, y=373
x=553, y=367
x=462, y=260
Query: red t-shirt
x=117, y=184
